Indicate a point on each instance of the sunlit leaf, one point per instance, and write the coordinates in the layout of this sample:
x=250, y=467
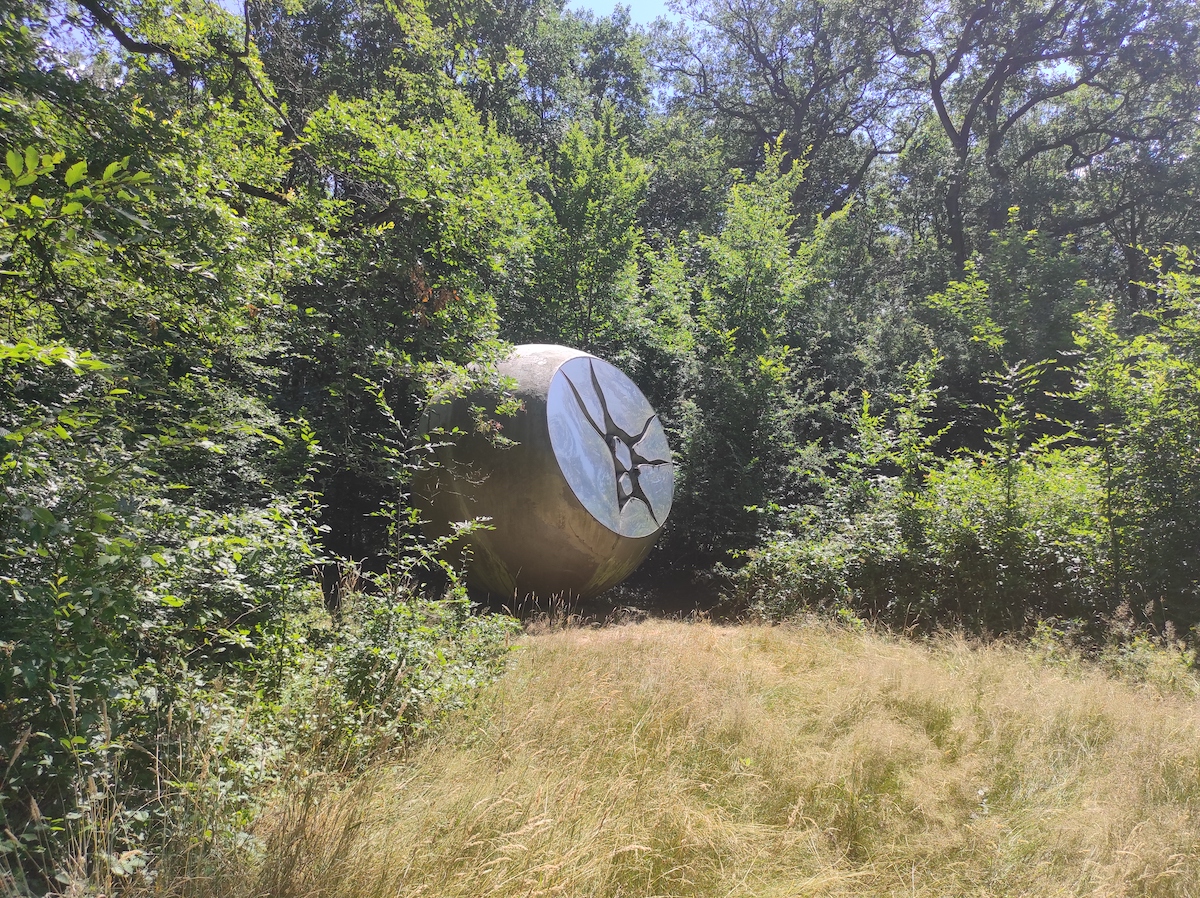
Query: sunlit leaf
x=76, y=173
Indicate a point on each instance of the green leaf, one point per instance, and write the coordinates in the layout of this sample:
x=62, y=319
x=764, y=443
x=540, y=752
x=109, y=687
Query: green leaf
x=72, y=208
x=112, y=169
x=76, y=173
x=136, y=219
x=31, y=158
x=14, y=163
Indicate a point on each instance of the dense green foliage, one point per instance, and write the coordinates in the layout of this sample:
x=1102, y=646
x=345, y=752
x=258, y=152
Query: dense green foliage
x=907, y=284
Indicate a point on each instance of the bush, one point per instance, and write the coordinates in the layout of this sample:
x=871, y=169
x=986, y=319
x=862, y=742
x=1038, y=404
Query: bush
x=120, y=604
x=390, y=666
x=988, y=540
x=163, y=662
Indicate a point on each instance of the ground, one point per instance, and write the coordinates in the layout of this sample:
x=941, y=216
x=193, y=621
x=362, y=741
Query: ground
x=689, y=759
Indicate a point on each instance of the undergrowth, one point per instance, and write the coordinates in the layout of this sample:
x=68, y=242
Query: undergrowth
x=174, y=799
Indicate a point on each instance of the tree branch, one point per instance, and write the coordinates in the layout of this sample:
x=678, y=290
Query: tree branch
x=109, y=22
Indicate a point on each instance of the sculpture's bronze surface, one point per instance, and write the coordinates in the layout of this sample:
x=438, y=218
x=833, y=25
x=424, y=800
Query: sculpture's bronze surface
x=577, y=489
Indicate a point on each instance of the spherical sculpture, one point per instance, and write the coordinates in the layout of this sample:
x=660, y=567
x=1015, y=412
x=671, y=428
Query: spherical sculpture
x=577, y=486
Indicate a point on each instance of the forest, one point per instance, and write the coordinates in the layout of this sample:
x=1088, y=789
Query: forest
x=908, y=281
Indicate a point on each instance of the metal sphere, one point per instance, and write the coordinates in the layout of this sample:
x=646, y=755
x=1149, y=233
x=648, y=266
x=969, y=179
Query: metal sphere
x=577, y=485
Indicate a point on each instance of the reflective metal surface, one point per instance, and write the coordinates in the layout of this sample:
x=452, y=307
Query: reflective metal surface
x=598, y=419
x=576, y=492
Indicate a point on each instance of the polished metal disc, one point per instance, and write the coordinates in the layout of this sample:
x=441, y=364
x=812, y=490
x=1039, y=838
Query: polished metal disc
x=610, y=446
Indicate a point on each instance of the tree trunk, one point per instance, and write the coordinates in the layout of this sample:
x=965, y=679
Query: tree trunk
x=955, y=187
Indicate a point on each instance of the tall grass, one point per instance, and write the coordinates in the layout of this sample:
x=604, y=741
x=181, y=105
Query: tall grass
x=668, y=759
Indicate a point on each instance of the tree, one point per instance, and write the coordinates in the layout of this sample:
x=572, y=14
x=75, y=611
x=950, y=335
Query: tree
x=574, y=65
x=814, y=71
x=1144, y=408
x=202, y=282
x=588, y=273
x=749, y=408
x=1134, y=197
x=1012, y=83
x=155, y=512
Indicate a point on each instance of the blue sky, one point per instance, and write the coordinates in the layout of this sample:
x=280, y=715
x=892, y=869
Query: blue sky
x=643, y=12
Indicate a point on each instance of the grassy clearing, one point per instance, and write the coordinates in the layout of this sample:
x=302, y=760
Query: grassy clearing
x=673, y=759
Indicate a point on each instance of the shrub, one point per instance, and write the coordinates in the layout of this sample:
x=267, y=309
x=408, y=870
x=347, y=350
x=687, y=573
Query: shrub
x=390, y=666
x=163, y=662
x=120, y=605
x=988, y=540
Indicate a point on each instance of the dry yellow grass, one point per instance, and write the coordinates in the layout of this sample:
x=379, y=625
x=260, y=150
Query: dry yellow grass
x=668, y=759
